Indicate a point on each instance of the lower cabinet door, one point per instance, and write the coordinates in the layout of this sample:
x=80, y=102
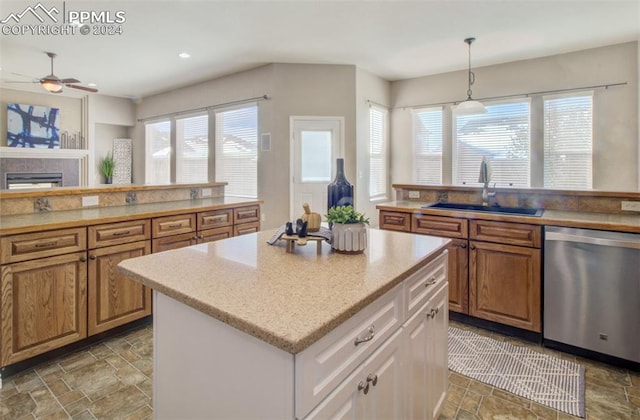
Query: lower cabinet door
x=115, y=300
x=436, y=353
x=416, y=392
x=344, y=402
x=43, y=305
x=385, y=378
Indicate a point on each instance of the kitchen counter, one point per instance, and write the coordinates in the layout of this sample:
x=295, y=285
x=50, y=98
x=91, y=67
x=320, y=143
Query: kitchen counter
x=589, y=220
x=286, y=300
x=35, y=222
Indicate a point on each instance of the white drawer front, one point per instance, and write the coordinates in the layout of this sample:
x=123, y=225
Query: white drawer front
x=421, y=285
x=326, y=363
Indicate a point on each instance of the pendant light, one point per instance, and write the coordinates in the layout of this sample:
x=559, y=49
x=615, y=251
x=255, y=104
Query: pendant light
x=469, y=106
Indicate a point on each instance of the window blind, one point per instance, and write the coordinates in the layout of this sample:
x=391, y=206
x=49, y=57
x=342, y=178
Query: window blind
x=192, y=149
x=236, y=150
x=378, y=153
x=502, y=135
x=427, y=145
x=158, y=152
x=568, y=137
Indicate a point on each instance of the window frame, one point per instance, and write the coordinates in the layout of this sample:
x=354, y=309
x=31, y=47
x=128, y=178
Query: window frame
x=384, y=154
x=414, y=146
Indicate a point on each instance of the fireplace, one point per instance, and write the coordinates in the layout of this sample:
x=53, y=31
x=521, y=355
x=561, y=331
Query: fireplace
x=32, y=180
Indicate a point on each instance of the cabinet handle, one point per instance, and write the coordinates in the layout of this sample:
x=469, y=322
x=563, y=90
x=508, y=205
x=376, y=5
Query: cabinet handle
x=363, y=386
x=373, y=378
x=432, y=313
x=431, y=281
x=123, y=233
x=472, y=247
x=83, y=259
x=369, y=337
x=92, y=257
x=47, y=244
x=463, y=246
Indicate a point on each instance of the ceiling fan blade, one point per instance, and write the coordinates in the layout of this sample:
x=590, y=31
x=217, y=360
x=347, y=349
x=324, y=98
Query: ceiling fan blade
x=71, y=80
x=88, y=89
x=20, y=81
x=33, y=79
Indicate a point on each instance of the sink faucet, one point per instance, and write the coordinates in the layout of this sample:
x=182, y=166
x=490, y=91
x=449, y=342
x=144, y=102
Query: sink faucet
x=486, y=195
x=485, y=176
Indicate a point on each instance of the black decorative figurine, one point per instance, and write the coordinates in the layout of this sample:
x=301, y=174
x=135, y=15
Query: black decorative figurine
x=340, y=191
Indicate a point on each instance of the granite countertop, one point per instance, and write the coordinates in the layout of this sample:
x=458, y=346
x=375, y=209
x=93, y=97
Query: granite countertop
x=289, y=300
x=590, y=220
x=34, y=222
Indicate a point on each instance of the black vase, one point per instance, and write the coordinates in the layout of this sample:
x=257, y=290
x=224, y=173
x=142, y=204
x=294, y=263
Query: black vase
x=340, y=191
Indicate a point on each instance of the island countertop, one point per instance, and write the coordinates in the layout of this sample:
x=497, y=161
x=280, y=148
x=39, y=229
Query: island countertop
x=289, y=300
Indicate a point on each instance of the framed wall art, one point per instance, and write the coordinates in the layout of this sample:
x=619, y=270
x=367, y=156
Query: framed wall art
x=33, y=126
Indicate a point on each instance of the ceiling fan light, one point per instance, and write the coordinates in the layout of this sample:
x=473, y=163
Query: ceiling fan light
x=470, y=107
x=53, y=86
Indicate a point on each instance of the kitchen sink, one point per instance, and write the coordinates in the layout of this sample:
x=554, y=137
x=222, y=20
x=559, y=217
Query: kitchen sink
x=523, y=211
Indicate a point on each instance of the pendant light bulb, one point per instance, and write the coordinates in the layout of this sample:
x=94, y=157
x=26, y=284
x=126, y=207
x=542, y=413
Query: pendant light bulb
x=469, y=106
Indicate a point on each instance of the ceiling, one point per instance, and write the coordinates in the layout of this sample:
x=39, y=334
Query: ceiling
x=393, y=39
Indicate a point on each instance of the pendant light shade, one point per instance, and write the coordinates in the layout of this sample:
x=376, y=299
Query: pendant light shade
x=469, y=106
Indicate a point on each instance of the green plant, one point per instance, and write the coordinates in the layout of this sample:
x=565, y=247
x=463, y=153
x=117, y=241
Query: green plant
x=107, y=165
x=346, y=215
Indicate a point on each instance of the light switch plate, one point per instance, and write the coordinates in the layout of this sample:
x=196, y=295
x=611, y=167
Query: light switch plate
x=414, y=194
x=631, y=205
x=90, y=200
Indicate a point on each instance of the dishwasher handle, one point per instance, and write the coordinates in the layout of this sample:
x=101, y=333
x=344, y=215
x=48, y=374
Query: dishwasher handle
x=555, y=236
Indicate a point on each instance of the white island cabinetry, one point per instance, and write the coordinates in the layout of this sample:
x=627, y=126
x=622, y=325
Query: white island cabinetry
x=330, y=339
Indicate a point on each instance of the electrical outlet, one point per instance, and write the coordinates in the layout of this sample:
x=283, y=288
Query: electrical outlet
x=414, y=194
x=206, y=192
x=90, y=200
x=631, y=205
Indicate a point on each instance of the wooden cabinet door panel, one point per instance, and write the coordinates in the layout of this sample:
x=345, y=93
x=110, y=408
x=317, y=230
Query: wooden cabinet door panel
x=211, y=235
x=449, y=227
x=114, y=299
x=173, y=225
x=504, y=284
x=458, y=275
x=29, y=246
x=119, y=233
x=174, y=242
x=43, y=305
x=506, y=233
x=383, y=373
x=246, y=228
x=437, y=353
x=215, y=219
x=392, y=220
x=246, y=214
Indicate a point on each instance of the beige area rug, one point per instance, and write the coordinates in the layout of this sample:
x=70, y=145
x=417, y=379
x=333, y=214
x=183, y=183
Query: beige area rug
x=542, y=378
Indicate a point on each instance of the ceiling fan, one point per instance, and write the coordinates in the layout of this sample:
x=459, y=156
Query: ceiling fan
x=54, y=84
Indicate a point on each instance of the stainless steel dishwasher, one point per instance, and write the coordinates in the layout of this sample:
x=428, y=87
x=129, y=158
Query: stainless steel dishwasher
x=592, y=290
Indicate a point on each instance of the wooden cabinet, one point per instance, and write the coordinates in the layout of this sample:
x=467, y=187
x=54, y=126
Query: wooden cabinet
x=173, y=225
x=392, y=220
x=43, y=305
x=505, y=284
x=115, y=300
x=30, y=246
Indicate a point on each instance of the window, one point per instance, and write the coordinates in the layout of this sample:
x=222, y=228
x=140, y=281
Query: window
x=192, y=149
x=236, y=150
x=427, y=145
x=568, y=135
x=158, y=152
x=502, y=135
x=378, y=153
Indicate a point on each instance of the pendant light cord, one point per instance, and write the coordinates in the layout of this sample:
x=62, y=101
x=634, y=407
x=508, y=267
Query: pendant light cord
x=472, y=76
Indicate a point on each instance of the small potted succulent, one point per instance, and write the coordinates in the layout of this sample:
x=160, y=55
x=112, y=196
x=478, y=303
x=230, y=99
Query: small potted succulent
x=349, y=229
x=107, y=166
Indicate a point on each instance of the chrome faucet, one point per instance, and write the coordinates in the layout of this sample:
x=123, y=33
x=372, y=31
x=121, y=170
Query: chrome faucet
x=485, y=176
x=486, y=195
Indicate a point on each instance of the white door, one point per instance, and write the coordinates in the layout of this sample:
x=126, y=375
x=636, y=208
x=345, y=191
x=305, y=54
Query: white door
x=316, y=143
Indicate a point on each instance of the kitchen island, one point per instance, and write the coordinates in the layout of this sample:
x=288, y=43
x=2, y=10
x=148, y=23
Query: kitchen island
x=243, y=329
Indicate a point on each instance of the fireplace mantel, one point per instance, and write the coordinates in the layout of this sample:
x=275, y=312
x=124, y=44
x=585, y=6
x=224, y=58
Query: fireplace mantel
x=81, y=155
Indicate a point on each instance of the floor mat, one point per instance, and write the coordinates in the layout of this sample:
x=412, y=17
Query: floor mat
x=542, y=378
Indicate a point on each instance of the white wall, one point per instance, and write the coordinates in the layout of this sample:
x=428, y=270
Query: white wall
x=616, y=151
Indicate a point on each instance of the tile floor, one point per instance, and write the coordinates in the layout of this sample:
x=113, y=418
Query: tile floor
x=112, y=380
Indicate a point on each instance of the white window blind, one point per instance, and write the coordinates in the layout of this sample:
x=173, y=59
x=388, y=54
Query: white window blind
x=502, y=135
x=378, y=153
x=192, y=149
x=158, y=152
x=568, y=136
x=236, y=150
x=427, y=145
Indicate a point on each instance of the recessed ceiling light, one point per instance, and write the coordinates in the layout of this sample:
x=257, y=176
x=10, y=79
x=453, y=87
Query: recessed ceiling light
x=184, y=55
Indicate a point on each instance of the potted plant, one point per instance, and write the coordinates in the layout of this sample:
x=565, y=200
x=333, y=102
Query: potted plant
x=349, y=229
x=107, y=165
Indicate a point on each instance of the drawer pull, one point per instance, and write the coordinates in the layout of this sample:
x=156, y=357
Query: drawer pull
x=432, y=313
x=123, y=233
x=47, y=244
x=369, y=337
x=373, y=378
x=363, y=387
x=431, y=281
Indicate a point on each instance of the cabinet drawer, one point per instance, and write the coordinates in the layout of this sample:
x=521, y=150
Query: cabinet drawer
x=173, y=225
x=29, y=246
x=173, y=242
x=119, y=233
x=215, y=219
x=419, y=287
x=506, y=233
x=395, y=221
x=322, y=366
x=246, y=228
x=246, y=214
x=211, y=235
x=449, y=227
